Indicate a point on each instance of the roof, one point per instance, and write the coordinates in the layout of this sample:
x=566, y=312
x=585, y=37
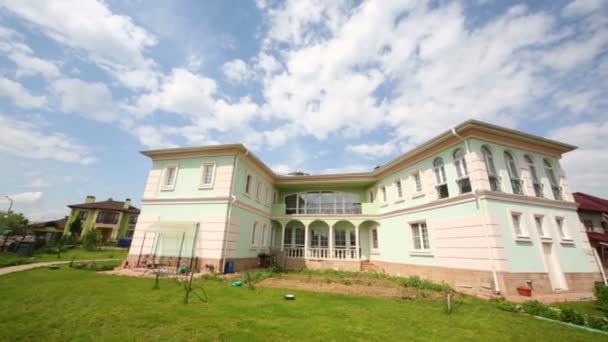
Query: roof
x=60, y=223
x=467, y=129
x=587, y=202
x=597, y=237
x=106, y=205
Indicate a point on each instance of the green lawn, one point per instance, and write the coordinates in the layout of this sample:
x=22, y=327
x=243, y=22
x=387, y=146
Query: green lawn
x=10, y=259
x=68, y=304
x=589, y=308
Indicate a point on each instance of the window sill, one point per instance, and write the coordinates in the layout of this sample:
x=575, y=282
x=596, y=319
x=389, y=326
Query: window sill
x=546, y=239
x=421, y=253
x=376, y=252
x=567, y=242
x=400, y=201
x=383, y=205
x=418, y=195
x=205, y=187
x=522, y=238
x=167, y=189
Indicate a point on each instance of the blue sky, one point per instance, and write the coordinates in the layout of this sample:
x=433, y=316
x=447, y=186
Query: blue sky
x=317, y=86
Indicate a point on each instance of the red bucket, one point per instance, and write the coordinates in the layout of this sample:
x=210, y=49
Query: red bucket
x=524, y=291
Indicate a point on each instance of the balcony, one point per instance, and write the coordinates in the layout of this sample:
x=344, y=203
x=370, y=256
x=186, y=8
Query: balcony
x=322, y=253
x=538, y=190
x=365, y=208
x=557, y=192
x=494, y=183
x=464, y=185
x=518, y=186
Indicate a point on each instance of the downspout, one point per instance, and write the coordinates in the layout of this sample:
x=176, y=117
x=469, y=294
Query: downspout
x=484, y=224
x=235, y=163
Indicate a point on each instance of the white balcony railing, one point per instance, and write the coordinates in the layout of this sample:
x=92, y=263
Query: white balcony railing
x=322, y=253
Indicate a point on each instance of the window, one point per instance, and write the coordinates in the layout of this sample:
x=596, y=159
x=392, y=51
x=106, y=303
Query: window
x=319, y=238
x=267, y=195
x=588, y=225
x=460, y=163
x=107, y=217
x=371, y=196
x=169, y=177
x=488, y=160
x=517, y=225
x=417, y=181
x=257, y=189
x=132, y=219
x=555, y=188
x=208, y=175
x=516, y=183
x=383, y=190
x=300, y=236
x=248, y=180
x=539, y=220
x=538, y=186
x=82, y=215
x=340, y=238
x=253, y=234
x=264, y=237
x=274, y=197
x=399, y=188
x=287, y=238
x=420, y=236
x=323, y=202
x=442, y=187
x=374, y=238
x=351, y=236
x=561, y=228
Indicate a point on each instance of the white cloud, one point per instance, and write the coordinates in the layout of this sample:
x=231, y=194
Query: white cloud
x=112, y=41
x=29, y=65
x=26, y=197
x=92, y=100
x=237, y=70
x=586, y=167
x=26, y=140
x=20, y=95
x=582, y=7
x=37, y=181
x=373, y=150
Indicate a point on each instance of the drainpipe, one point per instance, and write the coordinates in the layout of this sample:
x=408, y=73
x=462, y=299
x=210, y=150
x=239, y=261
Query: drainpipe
x=229, y=210
x=484, y=224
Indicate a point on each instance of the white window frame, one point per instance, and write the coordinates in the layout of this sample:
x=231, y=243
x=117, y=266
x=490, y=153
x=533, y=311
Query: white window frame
x=398, y=188
x=384, y=194
x=564, y=233
x=460, y=164
x=209, y=185
x=248, y=176
x=371, y=196
x=525, y=233
x=417, y=180
x=254, y=237
x=418, y=224
x=546, y=234
x=258, y=187
x=376, y=249
x=264, y=235
x=163, y=179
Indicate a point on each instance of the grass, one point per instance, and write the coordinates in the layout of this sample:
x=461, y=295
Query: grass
x=71, y=304
x=588, y=308
x=10, y=259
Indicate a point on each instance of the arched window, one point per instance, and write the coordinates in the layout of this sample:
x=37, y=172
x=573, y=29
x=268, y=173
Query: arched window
x=460, y=163
x=538, y=187
x=440, y=178
x=461, y=171
x=557, y=191
x=439, y=171
x=516, y=183
x=488, y=160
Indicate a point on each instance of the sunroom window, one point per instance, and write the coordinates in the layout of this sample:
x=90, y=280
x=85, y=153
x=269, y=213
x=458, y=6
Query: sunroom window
x=323, y=202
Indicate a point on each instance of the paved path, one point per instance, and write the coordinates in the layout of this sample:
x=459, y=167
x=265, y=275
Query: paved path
x=24, y=267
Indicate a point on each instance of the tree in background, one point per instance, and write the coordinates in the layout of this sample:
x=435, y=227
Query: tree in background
x=75, y=229
x=12, y=224
x=90, y=239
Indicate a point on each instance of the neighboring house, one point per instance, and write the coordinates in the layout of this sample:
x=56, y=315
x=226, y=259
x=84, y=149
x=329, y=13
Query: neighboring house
x=479, y=207
x=113, y=219
x=593, y=213
x=48, y=230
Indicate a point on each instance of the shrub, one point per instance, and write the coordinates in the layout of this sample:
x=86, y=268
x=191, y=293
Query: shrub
x=601, y=293
x=417, y=282
x=571, y=316
x=599, y=323
x=536, y=308
x=90, y=240
x=507, y=306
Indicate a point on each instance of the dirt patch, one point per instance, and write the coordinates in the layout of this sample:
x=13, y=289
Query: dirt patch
x=374, y=290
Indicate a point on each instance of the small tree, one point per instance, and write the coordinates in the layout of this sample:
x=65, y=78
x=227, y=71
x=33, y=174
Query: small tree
x=75, y=229
x=90, y=239
x=12, y=224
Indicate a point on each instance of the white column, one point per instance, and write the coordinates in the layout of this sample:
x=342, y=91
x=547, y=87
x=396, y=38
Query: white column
x=282, y=237
x=331, y=241
x=357, y=242
x=306, y=242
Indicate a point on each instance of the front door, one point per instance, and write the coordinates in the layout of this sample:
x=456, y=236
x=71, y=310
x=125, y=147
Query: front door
x=553, y=267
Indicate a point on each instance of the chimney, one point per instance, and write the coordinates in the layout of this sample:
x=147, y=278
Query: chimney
x=127, y=204
x=89, y=199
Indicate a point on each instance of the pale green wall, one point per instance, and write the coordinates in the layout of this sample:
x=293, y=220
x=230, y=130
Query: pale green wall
x=245, y=220
x=189, y=176
x=527, y=256
x=239, y=187
x=185, y=212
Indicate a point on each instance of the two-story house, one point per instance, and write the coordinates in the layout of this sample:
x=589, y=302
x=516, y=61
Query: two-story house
x=113, y=219
x=480, y=207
